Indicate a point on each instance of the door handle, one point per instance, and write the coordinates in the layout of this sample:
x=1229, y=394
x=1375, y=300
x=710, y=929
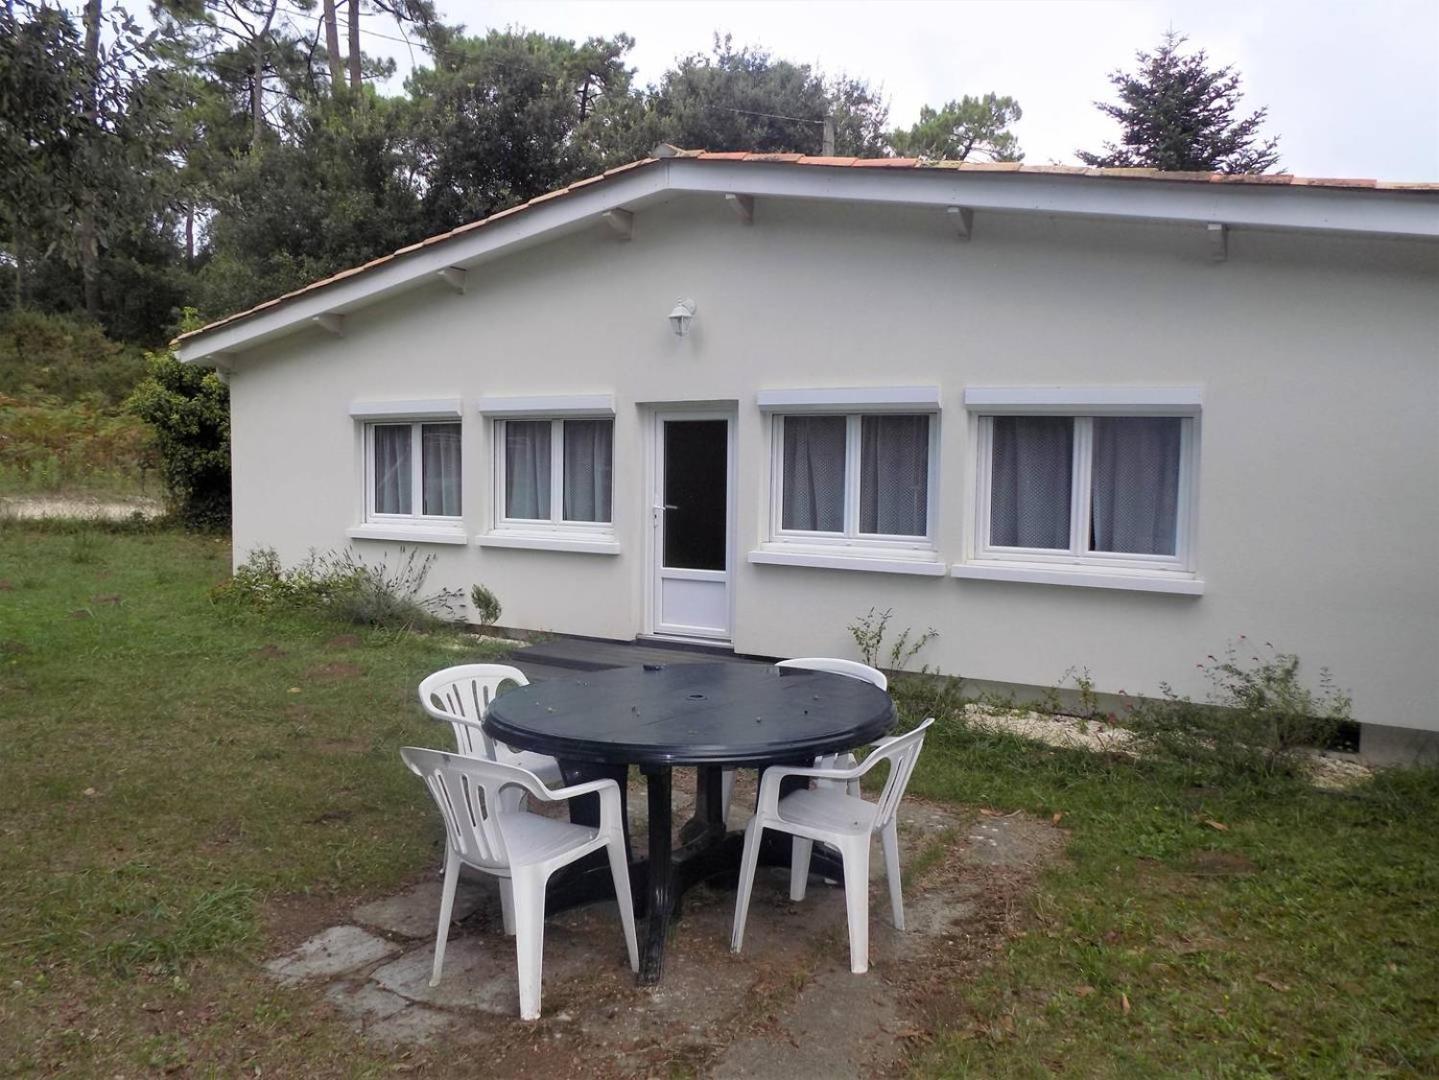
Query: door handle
x=660, y=508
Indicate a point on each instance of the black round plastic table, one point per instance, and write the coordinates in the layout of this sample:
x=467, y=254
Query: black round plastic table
x=708, y=715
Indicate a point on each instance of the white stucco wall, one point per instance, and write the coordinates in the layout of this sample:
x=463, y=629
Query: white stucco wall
x=1318, y=473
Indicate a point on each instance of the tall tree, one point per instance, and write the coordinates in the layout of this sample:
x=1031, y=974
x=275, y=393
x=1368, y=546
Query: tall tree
x=972, y=127
x=745, y=99
x=1179, y=114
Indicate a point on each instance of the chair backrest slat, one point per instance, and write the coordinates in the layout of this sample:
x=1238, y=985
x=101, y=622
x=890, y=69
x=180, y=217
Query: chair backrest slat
x=467, y=792
x=903, y=754
x=461, y=695
x=834, y=666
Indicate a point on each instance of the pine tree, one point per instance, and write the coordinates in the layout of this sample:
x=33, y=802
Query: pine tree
x=1178, y=114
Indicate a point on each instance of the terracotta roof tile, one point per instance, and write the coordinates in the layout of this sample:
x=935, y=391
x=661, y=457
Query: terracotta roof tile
x=665, y=152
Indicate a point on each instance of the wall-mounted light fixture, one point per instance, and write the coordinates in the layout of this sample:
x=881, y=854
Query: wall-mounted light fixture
x=682, y=315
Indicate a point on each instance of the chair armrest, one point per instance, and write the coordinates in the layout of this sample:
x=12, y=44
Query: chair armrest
x=770, y=781
x=611, y=809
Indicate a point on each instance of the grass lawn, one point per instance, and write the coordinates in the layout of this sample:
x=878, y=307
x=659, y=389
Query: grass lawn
x=185, y=788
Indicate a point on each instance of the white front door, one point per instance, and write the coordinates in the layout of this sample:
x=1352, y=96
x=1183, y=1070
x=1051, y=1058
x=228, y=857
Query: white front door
x=693, y=467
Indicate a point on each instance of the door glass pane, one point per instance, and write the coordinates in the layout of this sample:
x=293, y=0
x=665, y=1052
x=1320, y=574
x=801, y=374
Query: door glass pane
x=527, y=469
x=1135, y=500
x=813, y=483
x=696, y=470
x=589, y=451
x=392, y=468
x=894, y=475
x=440, y=468
x=1033, y=471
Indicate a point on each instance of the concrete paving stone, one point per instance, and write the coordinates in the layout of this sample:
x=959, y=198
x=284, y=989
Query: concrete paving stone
x=330, y=952
x=366, y=1003
x=415, y=912
x=413, y=1025
x=479, y=973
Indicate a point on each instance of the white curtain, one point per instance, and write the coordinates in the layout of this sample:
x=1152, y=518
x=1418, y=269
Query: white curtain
x=440, y=468
x=813, y=481
x=893, y=474
x=392, y=468
x=527, y=469
x=1033, y=459
x=589, y=456
x=1135, y=504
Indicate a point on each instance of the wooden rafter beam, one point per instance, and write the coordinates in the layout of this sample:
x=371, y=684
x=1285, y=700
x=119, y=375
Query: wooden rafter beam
x=452, y=276
x=742, y=205
x=622, y=222
x=962, y=218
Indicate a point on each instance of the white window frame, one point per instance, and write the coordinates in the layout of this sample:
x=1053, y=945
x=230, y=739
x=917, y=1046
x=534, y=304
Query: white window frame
x=1077, y=565
x=555, y=526
x=417, y=515
x=850, y=536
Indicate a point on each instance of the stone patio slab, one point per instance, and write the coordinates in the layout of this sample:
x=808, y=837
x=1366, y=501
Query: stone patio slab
x=331, y=952
x=415, y=912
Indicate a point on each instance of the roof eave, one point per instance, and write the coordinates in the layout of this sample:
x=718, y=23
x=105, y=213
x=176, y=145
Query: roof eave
x=1381, y=213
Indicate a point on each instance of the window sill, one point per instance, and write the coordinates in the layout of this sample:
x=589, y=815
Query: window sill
x=898, y=561
x=532, y=542
x=1084, y=577
x=417, y=534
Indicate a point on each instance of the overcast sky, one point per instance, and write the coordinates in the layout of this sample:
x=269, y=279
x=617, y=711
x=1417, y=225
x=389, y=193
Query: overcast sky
x=1352, y=87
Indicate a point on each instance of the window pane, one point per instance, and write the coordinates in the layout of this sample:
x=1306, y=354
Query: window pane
x=893, y=474
x=1033, y=466
x=527, y=469
x=1135, y=502
x=392, y=468
x=440, y=468
x=813, y=481
x=589, y=454
x=696, y=472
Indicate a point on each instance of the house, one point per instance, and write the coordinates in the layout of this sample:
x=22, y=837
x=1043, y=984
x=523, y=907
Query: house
x=1071, y=418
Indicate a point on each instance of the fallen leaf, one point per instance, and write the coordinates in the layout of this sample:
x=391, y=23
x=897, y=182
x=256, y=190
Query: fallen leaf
x=293, y=690
x=987, y=812
x=1124, y=1003
x=1216, y=825
x=1272, y=983
x=89, y=793
x=1083, y=991
x=1055, y=819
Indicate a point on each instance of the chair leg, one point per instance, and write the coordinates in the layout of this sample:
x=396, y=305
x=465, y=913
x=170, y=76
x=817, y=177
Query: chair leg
x=620, y=870
x=748, y=862
x=800, y=851
x=855, y=852
x=447, y=905
x=890, y=836
x=529, y=940
x=507, y=905
x=726, y=790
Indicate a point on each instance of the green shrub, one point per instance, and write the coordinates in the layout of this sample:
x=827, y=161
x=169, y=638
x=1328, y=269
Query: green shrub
x=65, y=357
x=189, y=408
x=485, y=605
x=343, y=586
x=1256, y=720
x=47, y=445
x=869, y=632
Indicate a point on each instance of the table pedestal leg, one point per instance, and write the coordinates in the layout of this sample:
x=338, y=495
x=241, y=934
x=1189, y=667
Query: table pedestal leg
x=661, y=898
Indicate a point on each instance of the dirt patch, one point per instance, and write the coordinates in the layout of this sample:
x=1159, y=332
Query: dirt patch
x=786, y=1007
x=269, y=652
x=1220, y=864
x=82, y=613
x=13, y=648
x=111, y=599
x=6, y=585
x=344, y=641
x=335, y=671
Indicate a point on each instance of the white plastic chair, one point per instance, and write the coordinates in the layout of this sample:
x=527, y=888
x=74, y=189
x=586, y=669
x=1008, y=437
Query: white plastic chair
x=852, y=669
x=520, y=848
x=832, y=816
x=460, y=696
